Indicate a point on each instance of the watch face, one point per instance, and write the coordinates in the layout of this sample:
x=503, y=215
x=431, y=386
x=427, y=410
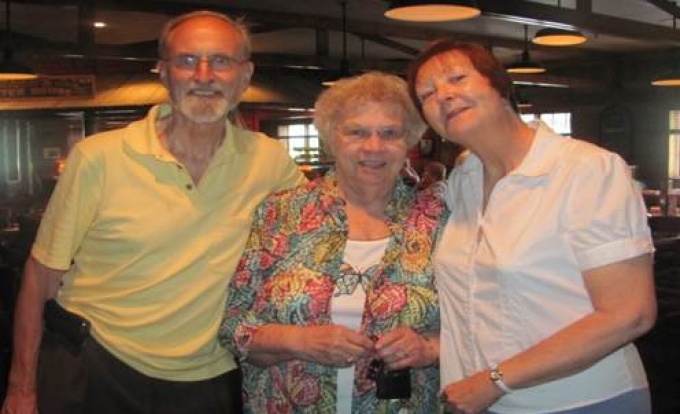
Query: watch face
x=495, y=375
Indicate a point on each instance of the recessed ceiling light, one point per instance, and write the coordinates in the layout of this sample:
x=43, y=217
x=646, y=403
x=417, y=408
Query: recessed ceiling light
x=99, y=25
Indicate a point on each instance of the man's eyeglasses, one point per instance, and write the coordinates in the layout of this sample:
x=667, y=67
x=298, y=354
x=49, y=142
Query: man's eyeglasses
x=218, y=63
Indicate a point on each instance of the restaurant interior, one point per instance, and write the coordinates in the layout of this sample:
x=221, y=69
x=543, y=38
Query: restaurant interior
x=608, y=73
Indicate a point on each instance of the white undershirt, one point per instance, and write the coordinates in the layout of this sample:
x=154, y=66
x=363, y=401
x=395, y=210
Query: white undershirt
x=347, y=310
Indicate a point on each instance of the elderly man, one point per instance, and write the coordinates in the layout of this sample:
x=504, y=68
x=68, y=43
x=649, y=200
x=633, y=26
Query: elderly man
x=135, y=251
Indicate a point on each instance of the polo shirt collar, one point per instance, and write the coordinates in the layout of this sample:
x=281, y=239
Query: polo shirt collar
x=142, y=135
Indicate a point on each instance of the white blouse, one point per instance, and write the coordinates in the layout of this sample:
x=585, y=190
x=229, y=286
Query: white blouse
x=512, y=275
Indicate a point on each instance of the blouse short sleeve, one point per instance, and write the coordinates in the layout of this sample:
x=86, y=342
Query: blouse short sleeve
x=605, y=213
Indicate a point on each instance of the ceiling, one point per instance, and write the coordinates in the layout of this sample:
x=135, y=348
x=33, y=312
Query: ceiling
x=629, y=40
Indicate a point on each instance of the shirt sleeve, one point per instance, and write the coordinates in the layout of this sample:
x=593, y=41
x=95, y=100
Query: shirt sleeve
x=292, y=176
x=69, y=213
x=283, y=169
x=606, y=216
x=241, y=319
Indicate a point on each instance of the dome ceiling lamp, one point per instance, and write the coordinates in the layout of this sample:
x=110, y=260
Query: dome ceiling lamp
x=432, y=11
x=672, y=76
x=525, y=65
x=11, y=69
x=521, y=100
x=558, y=37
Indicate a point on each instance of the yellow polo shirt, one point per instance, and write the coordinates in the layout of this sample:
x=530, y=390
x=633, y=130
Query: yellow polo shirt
x=148, y=254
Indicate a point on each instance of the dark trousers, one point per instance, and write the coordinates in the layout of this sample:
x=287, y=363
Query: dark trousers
x=92, y=380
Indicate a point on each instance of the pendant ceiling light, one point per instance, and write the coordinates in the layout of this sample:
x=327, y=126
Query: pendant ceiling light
x=344, y=71
x=11, y=69
x=522, y=102
x=525, y=64
x=558, y=37
x=432, y=11
x=672, y=76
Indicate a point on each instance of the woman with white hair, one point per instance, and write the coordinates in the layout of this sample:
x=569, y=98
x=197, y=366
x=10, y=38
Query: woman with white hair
x=333, y=305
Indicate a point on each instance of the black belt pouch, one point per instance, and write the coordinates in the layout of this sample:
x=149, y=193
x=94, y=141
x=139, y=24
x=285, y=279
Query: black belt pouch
x=70, y=328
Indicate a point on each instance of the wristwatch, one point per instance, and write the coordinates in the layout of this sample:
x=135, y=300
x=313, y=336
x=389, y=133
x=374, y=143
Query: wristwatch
x=496, y=376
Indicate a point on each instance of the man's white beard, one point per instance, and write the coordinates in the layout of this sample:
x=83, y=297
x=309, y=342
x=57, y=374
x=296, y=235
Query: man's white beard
x=203, y=110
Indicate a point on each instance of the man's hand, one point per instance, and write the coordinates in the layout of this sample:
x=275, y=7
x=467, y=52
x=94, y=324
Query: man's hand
x=17, y=402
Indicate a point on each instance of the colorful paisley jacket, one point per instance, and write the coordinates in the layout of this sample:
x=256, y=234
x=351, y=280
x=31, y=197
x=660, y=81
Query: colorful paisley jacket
x=287, y=275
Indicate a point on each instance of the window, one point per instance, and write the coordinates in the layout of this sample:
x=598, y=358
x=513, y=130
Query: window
x=674, y=144
x=559, y=122
x=301, y=140
x=528, y=117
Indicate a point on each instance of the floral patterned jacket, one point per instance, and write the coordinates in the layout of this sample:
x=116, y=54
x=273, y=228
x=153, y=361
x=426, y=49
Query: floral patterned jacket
x=287, y=275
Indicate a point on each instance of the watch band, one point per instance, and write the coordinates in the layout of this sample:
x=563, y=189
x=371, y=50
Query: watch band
x=496, y=376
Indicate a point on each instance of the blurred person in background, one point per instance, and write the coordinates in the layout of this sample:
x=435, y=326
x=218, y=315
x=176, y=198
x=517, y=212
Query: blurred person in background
x=434, y=178
x=409, y=174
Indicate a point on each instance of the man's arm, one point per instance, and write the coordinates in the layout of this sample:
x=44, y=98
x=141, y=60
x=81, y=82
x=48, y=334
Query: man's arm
x=39, y=284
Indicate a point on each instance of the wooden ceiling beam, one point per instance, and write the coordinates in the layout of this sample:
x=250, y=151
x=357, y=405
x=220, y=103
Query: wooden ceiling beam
x=290, y=20
x=385, y=33
x=540, y=14
x=519, y=11
x=557, y=82
x=322, y=44
x=267, y=28
x=381, y=40
x=86, y=36
x=668, y=6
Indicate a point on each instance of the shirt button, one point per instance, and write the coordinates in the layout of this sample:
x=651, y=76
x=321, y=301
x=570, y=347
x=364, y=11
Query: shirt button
x=189, y=186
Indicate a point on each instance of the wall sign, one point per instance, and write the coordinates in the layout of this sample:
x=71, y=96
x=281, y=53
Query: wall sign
x=616, y=130
x=49, y=87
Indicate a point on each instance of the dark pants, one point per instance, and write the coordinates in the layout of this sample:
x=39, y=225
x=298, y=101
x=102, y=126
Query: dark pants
x=94, y=381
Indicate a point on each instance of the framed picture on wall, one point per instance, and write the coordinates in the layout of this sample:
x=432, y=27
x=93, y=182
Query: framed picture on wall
x=51, y=153
x=616, y=130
